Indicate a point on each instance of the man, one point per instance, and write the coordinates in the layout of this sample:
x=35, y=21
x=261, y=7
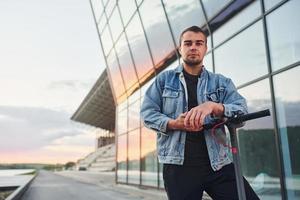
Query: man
x=177, y=105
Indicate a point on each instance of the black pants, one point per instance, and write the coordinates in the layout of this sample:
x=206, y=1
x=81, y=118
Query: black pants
x=187, y=183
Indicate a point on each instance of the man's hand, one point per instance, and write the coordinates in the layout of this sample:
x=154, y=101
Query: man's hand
x=178, y=124
x=194, y=119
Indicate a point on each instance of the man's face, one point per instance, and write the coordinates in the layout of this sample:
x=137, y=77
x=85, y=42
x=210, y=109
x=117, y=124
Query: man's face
x=193, y=48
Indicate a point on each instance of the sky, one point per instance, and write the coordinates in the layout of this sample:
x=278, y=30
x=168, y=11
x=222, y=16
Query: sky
x=49, y=60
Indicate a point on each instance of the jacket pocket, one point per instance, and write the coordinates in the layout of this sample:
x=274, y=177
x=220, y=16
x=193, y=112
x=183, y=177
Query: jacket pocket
x=170, y=101
x=215, y=96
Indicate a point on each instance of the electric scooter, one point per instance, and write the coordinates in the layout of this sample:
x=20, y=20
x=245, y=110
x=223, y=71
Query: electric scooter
x=232, y=124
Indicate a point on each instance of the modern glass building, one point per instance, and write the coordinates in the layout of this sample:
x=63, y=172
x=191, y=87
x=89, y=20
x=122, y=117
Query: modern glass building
x=256, y=43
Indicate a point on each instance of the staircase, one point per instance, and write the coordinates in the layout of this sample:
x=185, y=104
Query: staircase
x=101, y=160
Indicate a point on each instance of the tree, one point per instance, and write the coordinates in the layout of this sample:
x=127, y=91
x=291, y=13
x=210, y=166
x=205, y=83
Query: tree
x=69, y=165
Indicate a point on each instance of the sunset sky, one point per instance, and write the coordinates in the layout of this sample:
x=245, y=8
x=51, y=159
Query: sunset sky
x=49, y=60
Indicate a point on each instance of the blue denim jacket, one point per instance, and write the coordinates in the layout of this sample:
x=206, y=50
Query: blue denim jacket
x=166, y=99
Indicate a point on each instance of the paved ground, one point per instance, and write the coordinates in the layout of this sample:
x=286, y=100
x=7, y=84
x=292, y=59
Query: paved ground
x=86, y=186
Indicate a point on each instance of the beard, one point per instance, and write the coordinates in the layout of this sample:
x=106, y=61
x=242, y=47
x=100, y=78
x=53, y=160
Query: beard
x=192, y=62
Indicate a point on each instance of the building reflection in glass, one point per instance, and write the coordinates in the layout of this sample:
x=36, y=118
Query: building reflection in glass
x=115, y=74
x=243, y=58
x=106, y=40
x=183, y=14
x=287, y=99
x=134, y=157
x=237, y=22
x=157, y=29
x=212, y=7
x=110, y=6
x=270, y=3
x=208, y=62
x=139, y=48
x=257, y=144
x=127, y=8
x=134, y=115
x=115, y=24
x=284, y=43
x=122, y=121
x=122, y=159
x=148, y=157
x=126, y=63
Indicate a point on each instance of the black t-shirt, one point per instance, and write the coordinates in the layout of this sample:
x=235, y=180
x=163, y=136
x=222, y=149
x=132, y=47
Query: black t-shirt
x=195, y=146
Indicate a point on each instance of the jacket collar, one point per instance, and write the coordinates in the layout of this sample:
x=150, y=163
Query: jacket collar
x=179, y=70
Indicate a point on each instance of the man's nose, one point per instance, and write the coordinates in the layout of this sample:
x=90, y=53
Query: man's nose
x=193, y=47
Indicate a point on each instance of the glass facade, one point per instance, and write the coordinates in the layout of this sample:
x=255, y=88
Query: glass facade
x=256, y=44
x=287, y=96
x=156, y=28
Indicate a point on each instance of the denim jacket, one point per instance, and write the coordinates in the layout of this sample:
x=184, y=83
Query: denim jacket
x=166, y=99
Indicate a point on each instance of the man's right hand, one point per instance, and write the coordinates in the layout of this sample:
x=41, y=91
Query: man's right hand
x=178, y=124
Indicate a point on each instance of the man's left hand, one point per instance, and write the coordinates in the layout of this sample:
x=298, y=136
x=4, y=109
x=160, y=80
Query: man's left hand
x=195, y=117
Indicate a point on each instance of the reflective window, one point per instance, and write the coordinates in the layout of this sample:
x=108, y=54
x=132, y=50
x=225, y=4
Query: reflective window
x=208, y=62
x=157, y=29
x=134, y=97
x=106, y=40
x=209, y=43
x=145, y=87
x=287, y=100
x=134, y=115
x=213, y=7
x=127, y=8
x=122, y=122
x=104, y=2
x=102, y=23
x=115, y=74
x=243, y=58
x=122, y=159
x=122, y=106
x=237, y=22
x=148, y=157
x=260, y=170
x=139, y=2
x=138, y=45
x=134, y=156
x=173, y=65
x=270, y=3
x=110, y=6
x=126, y=64
x=183, y=14
x=121, y=98
x=284, y=41
x=116, y=26
x=97, y=7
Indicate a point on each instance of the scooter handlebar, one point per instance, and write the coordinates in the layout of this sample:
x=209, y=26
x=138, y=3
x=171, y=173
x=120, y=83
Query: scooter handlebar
x=249, y=116
x=237, y=119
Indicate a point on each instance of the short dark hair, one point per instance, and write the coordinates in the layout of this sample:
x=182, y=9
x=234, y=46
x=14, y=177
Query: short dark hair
x=195, y=29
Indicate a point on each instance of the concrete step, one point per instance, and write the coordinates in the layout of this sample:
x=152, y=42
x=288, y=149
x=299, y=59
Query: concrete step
x=108, y=164
x=105, y=159
x=100, y=169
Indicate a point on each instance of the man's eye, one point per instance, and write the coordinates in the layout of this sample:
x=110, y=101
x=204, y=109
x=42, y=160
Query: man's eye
x=188, y=44
x=199, y=43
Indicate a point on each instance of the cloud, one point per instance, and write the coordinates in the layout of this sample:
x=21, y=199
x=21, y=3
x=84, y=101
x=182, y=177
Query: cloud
x=29, y=128
x=71, y=84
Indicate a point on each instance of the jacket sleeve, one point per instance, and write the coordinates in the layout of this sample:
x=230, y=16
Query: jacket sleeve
x=151, y=109
x=233, y=102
